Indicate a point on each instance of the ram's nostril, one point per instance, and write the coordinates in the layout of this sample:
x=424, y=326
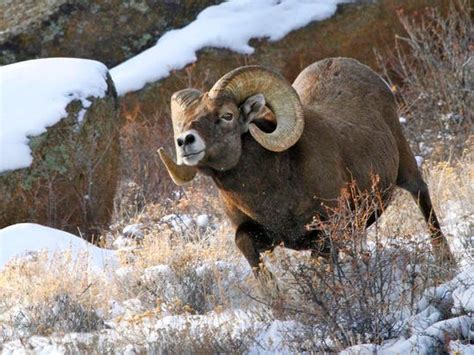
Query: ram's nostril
x=189, y=139
x=180, y=142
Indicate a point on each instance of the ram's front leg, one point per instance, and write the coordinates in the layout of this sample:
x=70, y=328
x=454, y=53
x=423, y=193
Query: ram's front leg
x=252, y=240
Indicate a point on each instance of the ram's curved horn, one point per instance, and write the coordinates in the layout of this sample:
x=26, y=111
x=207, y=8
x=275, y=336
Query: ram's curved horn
x=180, y=174
x=280, y=97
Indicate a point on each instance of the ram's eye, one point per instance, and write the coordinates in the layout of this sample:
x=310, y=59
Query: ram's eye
x=227, y=116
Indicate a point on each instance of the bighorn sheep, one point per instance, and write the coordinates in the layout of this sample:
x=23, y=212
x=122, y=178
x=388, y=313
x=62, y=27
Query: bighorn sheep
x=337, y=123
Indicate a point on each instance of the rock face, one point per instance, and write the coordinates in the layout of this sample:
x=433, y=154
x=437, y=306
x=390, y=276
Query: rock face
x=109, y=31
x=20, y=15
x=72, y=181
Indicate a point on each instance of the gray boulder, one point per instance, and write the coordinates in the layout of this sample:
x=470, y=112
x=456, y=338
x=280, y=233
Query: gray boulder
x=71, y=182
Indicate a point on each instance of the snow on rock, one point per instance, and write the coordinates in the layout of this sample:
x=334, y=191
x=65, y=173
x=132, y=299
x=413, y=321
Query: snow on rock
x=157, y=272
x=23, y=238
x=457, y=221
x=230, y=25
x=463, y=298
x=42, y=345
x=361, y=349
x=71, y=343
x=453, y=292
x=34, y=95
x=130, y=235
x=434, y=337
x=179, y=223
x=132, y=306
x=428, y=331
x=122, y=243
x=202, y=220
x=125, y=275
x=270, y=338
x=458, y=348
x=134, y=231
x=228, y=326
x=424, y=319
x=419, y=160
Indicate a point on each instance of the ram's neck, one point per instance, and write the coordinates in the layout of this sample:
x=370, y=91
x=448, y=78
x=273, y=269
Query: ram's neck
x=260, y=185
x=258, y=169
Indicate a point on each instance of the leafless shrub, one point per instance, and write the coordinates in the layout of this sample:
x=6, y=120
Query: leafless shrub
x=61, y=313
x=434, y=65
x=141, y=136
x=37, y=301
x=130, y=200
x=204, y=339
x=365, y=290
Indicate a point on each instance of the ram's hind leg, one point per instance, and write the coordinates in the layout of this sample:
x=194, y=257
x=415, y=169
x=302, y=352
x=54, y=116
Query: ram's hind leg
x=414, y=184
x=438, y=240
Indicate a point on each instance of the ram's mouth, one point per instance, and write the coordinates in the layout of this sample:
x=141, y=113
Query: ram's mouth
x=188, y=155
x=192, y=159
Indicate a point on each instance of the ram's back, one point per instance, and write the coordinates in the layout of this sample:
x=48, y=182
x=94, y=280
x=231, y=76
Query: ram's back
x=349, y=102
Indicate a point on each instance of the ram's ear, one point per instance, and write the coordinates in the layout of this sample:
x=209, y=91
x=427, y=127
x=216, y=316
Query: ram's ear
x=251, y=109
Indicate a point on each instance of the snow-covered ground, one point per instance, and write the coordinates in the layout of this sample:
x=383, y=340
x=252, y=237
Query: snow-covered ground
x=221, y=313
x=154, y=319
x=34, y=95
x=26, y=239
x=429, y=329
x=230, y=25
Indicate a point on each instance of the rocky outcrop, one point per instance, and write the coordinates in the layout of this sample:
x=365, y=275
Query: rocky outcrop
x=71, y=182
x=19, y=16
x=109, y=31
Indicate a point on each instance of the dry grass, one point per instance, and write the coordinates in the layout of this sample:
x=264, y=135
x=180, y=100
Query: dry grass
x=192, y=265
x=38, y=277
x=41, y=295
x=196, y=271
x=371, y=283
x=451, y=187
x=376, y=277
x=431, y=71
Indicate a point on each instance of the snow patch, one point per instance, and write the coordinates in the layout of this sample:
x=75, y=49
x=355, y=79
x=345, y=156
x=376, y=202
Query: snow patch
x=228, y=25
x=456, y=347
x=202, y=220
x=134, y=231
x=419, y=160
x=178, y=222
x=22, y=239
x=463, y=298
x=34, y=95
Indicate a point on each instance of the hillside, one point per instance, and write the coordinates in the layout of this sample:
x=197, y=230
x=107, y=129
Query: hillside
x=78, y=149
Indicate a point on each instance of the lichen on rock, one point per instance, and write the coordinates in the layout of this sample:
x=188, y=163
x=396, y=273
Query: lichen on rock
x=71, y=182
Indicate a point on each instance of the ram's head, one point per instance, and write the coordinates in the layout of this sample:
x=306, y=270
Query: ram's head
x=208, y=126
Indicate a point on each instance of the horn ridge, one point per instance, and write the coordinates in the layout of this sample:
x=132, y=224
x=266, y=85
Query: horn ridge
x=185, y=97
x=280, y=97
